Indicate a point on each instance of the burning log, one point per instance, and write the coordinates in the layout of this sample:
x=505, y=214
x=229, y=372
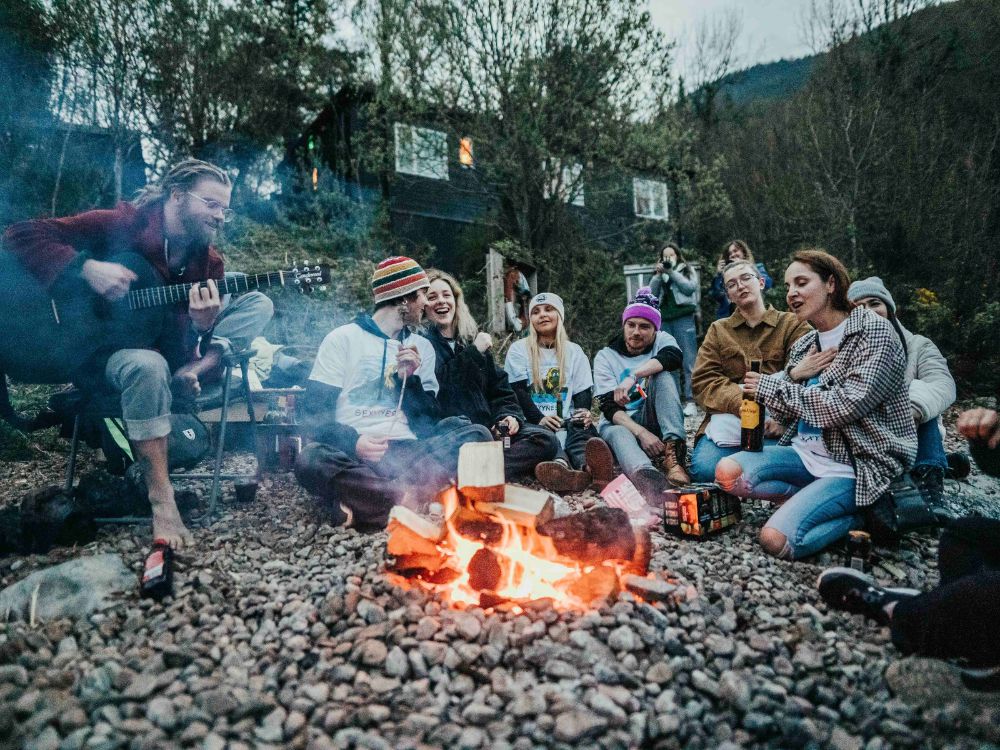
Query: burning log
x=484, y=571
x=412, y=534
x=521, y=506
x=480, y=472
x=473, y=524
x=593, y=536
x=599, y=583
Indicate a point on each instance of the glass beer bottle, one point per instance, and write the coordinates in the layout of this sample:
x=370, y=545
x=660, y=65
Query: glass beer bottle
x=752, y=420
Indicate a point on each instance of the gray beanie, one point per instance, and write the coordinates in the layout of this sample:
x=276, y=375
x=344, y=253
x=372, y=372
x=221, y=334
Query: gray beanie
x=871, y=287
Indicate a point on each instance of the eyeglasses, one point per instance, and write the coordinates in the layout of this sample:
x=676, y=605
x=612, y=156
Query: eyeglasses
x=743, y=280
x=214, y=205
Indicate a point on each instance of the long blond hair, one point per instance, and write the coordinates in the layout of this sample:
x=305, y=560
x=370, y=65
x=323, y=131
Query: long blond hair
x=182, y=176
x=535, y=355
x=465, y=325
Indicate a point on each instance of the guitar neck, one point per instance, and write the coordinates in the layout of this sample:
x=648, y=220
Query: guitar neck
x=155, y=296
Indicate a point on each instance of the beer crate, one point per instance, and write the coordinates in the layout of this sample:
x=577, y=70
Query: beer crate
x=699, y=510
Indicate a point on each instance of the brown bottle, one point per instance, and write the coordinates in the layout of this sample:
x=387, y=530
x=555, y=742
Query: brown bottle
x=752, y=420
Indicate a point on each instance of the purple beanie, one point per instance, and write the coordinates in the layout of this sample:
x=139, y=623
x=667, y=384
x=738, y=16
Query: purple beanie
x=643, y=305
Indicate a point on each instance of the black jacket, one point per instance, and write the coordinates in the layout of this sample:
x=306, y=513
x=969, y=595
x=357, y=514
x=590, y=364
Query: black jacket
x=319, y=405
x=471, y=384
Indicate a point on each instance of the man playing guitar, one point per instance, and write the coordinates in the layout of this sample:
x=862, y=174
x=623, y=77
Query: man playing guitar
x=164, y=236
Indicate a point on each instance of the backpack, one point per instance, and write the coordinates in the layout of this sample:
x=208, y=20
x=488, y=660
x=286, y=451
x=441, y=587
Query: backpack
x=189, y=441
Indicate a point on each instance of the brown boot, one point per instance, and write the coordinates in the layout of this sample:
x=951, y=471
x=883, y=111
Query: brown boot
x=675, y=462
x=600, y=462
x=556, y=476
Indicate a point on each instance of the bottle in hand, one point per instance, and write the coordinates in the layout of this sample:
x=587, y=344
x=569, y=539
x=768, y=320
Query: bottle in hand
x=752, y=420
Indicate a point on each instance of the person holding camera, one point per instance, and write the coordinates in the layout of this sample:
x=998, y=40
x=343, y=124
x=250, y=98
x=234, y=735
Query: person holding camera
x=471, y=385
x=675, y=285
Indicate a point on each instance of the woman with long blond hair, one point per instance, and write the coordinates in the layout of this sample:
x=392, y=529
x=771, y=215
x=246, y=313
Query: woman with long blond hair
x=555, y=387
x=470, y=383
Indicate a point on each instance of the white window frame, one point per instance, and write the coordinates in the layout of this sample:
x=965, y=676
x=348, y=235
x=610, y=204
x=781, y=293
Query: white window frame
x=428, y=159
x=569, y=185
x=653, y=192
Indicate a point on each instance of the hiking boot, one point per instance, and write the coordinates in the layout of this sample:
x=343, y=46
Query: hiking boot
x=930, y=480
x=852, y=591
x=959, y=465
x=556, y=476
x=675, y=462
x=600, y=462
x=651, y=485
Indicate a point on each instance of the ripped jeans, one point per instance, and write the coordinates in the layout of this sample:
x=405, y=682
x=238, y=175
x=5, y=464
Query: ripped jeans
x=816, y=511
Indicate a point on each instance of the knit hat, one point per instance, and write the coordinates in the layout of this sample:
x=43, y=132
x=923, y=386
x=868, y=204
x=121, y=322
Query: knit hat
x=643, y=305
x=548, y=298
x=871, y=287
x=397, y=277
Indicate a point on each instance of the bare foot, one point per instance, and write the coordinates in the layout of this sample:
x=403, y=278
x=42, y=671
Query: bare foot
x=167, y=523
x=184, y=385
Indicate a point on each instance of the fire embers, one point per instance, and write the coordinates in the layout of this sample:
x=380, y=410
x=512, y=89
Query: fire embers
x=499, y=545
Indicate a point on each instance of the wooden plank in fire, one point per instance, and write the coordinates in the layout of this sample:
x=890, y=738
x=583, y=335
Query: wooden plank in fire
x=522, y=506
x=412, y=534
x=480, y=472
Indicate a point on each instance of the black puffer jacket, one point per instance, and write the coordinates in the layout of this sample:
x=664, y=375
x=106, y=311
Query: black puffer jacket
x=470, y=383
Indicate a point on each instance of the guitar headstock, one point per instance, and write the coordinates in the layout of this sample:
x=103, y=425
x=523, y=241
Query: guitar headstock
x=307, y=277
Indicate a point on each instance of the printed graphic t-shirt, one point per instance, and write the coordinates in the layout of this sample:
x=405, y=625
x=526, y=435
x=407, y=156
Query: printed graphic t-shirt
x=557, y=387
x=362, y=365
x=808, y=443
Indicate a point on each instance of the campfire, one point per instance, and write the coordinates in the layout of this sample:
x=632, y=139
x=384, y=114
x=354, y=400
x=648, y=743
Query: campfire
x=499, y=545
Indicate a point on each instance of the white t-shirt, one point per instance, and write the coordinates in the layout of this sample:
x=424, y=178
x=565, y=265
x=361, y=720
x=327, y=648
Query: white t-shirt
x=808, y=443
x=362, y=364
x=611, y=367
x=556, y=385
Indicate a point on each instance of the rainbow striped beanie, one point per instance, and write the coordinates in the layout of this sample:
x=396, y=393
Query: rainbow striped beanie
x=397, y=277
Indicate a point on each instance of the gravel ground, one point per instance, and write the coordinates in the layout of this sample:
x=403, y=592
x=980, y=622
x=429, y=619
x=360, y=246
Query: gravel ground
x=284, y=633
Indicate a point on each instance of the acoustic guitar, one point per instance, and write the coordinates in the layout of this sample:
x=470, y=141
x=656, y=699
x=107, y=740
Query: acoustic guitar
x=46, y=337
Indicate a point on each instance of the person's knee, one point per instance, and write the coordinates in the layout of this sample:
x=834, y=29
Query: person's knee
x=259, y=304
x=145, y=367
x=774, y=543
x=727, y=473
x=475, y=433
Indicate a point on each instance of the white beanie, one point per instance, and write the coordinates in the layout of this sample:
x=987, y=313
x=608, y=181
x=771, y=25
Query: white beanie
x=548, y=298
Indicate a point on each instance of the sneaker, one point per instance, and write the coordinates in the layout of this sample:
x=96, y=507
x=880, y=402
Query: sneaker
x=556, y=476
x=853, y=591
x=690, y=409
x=651, y=485
x=674, y=460
x=600, y=462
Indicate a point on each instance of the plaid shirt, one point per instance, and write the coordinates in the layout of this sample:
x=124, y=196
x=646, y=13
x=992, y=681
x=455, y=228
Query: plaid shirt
x=861, y=403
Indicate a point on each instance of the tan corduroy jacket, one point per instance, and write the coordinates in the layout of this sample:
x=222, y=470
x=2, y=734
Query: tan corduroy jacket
x=725, y=354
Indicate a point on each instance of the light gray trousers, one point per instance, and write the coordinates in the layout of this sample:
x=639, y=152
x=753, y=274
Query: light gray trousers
x=143, y=377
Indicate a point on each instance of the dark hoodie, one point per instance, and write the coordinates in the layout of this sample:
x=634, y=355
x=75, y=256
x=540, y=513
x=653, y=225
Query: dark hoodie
x=669, y=356
x=319, y=403
x=471, y=384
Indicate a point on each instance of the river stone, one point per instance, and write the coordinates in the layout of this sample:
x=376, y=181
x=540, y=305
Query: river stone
x=573, y=726
x=73, y=589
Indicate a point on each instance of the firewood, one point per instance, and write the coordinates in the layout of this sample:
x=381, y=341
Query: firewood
x=593, y=536
x=484, y=571
x=522, y=506
x=650, y=589
x=643, y=549
x=417, y=563
x=412, y=534
x=600, y=583
x=472, y=524
x=480, y=472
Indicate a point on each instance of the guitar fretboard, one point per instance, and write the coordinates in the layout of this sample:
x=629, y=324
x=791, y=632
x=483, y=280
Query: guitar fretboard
x=155, y=296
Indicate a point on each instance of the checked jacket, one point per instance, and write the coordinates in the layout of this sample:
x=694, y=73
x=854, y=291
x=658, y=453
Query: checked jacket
x=861, y=403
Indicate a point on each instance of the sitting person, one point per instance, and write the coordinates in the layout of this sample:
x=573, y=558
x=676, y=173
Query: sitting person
x=370, y=407
x=731, y=252
x=957, y=620
x=166, y=235
x=471, y=385
x=932, y=388
x=552, y=380
x=843, y=395
x=643, y=418
x=753, y=331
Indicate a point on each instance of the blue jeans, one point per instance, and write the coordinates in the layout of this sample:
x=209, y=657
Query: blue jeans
x=930, y=446
x=683, y=330
x=816, y=512
x=662, y=414
x=707, y=454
